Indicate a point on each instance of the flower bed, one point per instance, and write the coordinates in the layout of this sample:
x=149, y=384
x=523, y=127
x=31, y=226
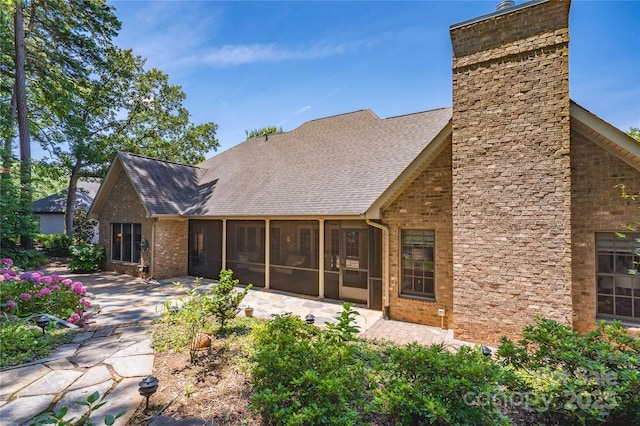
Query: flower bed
x=26, y=293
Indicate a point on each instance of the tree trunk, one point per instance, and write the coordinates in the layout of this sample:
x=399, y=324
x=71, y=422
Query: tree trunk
x=71, y=199
x=23, y=121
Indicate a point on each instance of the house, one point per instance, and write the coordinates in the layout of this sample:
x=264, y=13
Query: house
x=479, y=217
x=50, y=210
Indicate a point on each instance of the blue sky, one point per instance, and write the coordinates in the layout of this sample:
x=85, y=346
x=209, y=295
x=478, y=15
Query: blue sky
x=246, y=65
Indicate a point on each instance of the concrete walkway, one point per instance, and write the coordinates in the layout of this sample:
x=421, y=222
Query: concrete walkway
x=115, y=353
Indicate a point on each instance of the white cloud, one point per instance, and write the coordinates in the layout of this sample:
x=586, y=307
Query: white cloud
x=230, y=55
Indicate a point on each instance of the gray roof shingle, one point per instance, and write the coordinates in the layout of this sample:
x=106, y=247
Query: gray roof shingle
x=57, y=203
x=337, y=165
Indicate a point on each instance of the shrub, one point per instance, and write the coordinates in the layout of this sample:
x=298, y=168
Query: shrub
x=86, y=258
x=224, y=300
x=304, y=376
x=27, y=293
x=83, y=227
x=431, y=385
x=56, y=244
x=574, y=379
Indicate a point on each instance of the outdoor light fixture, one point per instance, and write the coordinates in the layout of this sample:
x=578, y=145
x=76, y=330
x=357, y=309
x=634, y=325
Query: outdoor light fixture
x=42, y=321
x=147, y=387
x=310, y=319
x=486, y=351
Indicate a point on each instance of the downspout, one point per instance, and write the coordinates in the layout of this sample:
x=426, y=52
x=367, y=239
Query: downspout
x=385, y=264
x=267, y=253
x=224, y=244
x=153, y=249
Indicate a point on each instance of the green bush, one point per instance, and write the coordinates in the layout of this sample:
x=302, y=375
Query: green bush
x=304, y=376
x=431, y=385
x=86, y=258
x=224, y=300
x=576, y=379
x=56, y=244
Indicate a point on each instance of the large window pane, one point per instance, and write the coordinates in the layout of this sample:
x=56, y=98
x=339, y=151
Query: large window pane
x=125, y=242
x=617, y=276
x=418, y=262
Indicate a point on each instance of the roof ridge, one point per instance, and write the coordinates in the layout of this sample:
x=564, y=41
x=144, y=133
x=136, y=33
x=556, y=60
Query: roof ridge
x=417, y=112
x=160, y=160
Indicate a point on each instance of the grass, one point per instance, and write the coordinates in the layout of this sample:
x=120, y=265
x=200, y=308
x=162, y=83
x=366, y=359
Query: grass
x=22, y=341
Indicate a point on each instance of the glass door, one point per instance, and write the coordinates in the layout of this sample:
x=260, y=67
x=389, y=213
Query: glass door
x=354, y=267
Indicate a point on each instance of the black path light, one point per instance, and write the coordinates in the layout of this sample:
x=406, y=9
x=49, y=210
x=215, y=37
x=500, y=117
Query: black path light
x=42, y=321
x=147, y=387
x=486, y=351
x=310, y=319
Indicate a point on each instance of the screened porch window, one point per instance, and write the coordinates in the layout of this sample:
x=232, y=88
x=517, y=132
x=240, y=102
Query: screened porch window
x=418, y=263
x=618, y=281
x=125, y=242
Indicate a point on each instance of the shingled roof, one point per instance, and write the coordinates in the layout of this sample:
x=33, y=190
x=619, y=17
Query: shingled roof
x=57, y=203
x=333, y=166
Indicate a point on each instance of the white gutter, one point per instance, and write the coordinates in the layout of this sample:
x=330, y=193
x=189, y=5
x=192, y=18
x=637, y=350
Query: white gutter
x=385, y=265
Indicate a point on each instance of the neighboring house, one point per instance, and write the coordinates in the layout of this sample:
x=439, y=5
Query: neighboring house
x=50, y=210
x=478, y=217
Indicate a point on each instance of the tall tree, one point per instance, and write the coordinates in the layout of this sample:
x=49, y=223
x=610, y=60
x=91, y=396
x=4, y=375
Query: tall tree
x=125, y=108
x=54, y=43
x=634, y=132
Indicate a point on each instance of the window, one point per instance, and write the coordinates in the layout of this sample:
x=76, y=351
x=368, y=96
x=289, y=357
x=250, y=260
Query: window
x=125, y=242
x=618, y=281
x=418, y=263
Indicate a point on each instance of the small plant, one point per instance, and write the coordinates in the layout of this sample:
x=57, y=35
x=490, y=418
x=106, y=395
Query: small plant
x=345, y=329
x=225, y=300
x=86, y=258
x=57, y=417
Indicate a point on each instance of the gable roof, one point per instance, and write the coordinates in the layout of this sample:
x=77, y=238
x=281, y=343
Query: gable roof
x=334, y=166
x=57, y=203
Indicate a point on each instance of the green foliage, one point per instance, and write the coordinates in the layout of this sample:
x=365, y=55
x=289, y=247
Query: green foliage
x=85, y=258
x=431, y=385
x=83, y=227
x=268, y=130
x=55, y=244
x=22, y=341
x=344, y=329
x=224, y=300
x=304, y=376
x=16, y=220
x=191, y=314
x=634, y=132
x=25, y=259
x=576, y=379
x=57, y=417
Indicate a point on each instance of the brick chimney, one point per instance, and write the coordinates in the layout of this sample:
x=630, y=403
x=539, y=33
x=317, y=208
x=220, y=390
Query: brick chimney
x=511, y=169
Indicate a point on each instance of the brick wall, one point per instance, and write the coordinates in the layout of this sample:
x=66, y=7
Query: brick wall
x=171, y=248
x=424, y=204
x=511, y=172
x=123, y=206
x=597, y=207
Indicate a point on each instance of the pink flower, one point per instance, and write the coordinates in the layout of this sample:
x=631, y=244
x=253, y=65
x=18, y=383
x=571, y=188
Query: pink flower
x=74, y=318
x=78, y=288
x=55, y=278
x=46, y=280
x=11, y=304
x=7, y=262
x=37, y=274
x=36, y=296
x=85, y=302
x=67, y=282
x=55, y=287
x=45, y=291
x=25, y=296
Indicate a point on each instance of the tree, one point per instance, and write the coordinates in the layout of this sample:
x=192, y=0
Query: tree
x=125, y=108
x=634, y=132
x=269, y=130
x=47, y=49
